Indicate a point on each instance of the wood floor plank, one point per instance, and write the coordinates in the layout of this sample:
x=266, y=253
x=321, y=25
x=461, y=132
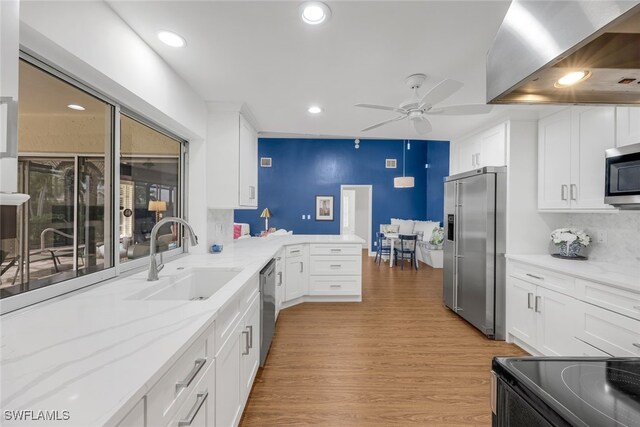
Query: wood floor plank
x=398, y=358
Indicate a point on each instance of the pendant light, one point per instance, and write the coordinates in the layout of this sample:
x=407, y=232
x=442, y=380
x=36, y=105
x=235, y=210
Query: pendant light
x=403, y=181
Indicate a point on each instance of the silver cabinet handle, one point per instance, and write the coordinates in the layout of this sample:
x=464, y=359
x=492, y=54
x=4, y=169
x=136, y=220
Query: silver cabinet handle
x=246, y=341
x=529, y=300
x=563, y=192
x=197, y=367
x=201, y=397
x=535, y=277
x=335, y=286
x=250, y=335
x=537, y=308
x=574, y=192
x=335, y=265
x=336, y=250
x=279, y=278
x=278, y=258
x=301, y=267
x=636, y=344
x=473, y=160
x=252, y=192
x=294, y=251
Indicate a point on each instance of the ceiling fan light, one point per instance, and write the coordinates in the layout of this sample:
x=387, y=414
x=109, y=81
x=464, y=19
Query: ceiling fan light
x=404, y=182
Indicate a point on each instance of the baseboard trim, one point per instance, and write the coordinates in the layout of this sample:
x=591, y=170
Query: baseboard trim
x=321, y=298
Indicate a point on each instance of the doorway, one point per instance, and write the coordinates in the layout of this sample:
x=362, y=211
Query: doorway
x=356, y=212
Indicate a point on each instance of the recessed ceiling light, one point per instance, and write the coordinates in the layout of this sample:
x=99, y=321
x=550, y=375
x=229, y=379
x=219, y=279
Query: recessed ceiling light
x=171, y=39
x=572, y=78
x=314, y=12
x=76, y=107
x=314, y=109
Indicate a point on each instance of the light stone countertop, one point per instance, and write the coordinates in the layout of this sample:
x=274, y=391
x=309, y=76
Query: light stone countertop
x=96, y=352
x=620, y=276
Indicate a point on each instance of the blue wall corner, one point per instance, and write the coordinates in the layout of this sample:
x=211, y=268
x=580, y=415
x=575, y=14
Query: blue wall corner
x=305, y=168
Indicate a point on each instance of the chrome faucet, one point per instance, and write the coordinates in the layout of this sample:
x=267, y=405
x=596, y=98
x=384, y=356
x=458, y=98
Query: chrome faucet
x=154, y=268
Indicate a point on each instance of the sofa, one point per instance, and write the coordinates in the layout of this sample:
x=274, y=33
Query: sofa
x=425, y=252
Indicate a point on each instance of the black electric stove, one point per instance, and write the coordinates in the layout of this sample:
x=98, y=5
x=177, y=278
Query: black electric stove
x=544, y=391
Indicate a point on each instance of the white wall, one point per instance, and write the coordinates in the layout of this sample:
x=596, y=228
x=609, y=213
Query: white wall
x=89, y=41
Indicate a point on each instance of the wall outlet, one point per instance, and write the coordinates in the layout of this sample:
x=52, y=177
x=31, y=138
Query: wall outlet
x=601, y=237
x=303, y=216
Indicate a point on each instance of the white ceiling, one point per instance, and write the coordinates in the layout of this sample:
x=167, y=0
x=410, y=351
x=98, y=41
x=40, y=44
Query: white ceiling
x=262, y=54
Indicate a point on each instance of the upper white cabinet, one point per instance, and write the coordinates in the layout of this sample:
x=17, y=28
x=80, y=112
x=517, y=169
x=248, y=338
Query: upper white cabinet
x=571, y=146
x=232, y=153
x=487, y=148
x=627, y=126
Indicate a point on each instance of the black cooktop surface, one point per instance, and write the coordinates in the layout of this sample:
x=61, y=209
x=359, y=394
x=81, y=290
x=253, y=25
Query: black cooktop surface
x=584, y=391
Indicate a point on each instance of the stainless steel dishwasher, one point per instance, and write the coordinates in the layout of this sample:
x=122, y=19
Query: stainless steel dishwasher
x=267, y=308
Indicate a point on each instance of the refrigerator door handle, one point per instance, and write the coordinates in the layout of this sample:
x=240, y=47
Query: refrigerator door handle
x=456, y=255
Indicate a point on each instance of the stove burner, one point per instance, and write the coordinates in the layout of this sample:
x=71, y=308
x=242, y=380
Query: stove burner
x=605, y=389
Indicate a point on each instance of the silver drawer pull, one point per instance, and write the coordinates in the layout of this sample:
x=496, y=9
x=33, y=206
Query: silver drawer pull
x=336, y=250
x=197, y=366
x=294, y=252
x=201, y=397
x=280, y=278
x=636, y=344
x=250, y=336
x=246, y=341
x=535, y=277
x=335, y=286
x=530, y=300
x=335, y=265
x=538, y=299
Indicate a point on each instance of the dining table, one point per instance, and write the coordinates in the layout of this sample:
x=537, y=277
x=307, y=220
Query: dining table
x=393, y=239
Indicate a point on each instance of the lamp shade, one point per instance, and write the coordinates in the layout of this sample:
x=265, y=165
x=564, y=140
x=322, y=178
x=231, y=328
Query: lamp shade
x=266, y=213
x=157, y=205
x=404, y=182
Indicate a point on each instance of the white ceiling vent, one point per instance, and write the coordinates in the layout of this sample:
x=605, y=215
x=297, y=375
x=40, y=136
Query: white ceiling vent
x=265, y=162
x=391, y=163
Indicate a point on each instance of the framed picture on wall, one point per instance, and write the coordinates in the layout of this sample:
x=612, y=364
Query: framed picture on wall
x=324, y=208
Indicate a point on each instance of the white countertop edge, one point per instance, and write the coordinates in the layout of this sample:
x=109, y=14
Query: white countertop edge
x=629, y=282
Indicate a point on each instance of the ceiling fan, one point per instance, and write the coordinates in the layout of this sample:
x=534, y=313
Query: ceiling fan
x=417, y=108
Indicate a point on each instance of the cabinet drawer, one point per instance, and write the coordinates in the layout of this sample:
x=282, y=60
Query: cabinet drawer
x=295, y=250
x=168, y=394
x=198, y=409
x=610, y=332
x=335, y=285
x=328, y=249
x=618, y=300
x=249, y=292
x=545, y=278
x=226, y=322
x=336, y=266
x=587, y=350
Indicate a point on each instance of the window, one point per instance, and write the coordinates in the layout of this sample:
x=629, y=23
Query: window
x=72, y=229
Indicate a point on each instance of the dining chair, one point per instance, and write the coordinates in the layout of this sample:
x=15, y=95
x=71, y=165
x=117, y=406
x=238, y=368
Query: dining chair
x=384, y=247
x=407, y=249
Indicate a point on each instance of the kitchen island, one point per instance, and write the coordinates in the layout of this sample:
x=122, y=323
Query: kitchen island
x=113, y=354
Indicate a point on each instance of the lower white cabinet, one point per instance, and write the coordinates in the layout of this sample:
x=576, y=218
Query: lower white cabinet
x=198, y=410
x=229, y=390
x=537, y=317
x=135, y=417
x=250, y=355
x=280, y=284
x=296, y=272
x=588, y=319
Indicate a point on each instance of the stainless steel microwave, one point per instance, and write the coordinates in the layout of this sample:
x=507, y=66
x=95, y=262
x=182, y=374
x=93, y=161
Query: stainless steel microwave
x=622, y=180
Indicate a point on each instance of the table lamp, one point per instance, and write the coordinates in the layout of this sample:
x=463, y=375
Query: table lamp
x=266, y=214
x=157, y=206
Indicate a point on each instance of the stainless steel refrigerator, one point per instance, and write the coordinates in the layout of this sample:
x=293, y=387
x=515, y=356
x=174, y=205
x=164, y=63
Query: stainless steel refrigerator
x=474, y=247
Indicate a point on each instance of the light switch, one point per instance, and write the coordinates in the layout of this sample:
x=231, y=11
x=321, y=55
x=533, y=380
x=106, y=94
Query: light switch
x=308, y=216
x=302, y=216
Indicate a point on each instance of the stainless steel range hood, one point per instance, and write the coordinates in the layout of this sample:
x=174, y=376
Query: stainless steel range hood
x=539, y=42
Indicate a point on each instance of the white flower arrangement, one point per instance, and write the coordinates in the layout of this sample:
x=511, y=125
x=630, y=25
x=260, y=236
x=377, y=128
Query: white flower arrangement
x=569, y=236
x=437, y=236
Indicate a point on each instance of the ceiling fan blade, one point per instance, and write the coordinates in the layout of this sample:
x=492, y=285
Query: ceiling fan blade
x=384, y=123
x=442, y=91
x=381, y=107
x=462, y=110
x=422, y=125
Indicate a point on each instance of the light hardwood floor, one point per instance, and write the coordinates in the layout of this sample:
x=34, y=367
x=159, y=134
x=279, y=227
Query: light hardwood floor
x=398, y=358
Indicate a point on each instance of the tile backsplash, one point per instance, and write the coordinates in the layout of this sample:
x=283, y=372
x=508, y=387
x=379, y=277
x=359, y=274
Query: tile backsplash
x=620, y=230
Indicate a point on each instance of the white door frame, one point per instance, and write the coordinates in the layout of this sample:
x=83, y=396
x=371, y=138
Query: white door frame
x=370, y=187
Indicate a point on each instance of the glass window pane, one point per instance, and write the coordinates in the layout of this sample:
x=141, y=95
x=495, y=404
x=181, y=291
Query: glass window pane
x=65, y=229
x=149, y=188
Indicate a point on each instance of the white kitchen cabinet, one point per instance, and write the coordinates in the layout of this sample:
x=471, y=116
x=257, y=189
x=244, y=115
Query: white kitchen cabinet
x=571, y=146
x=232, y=154
x=296, y=272
x=250, y=359
x=537, y=317
x=198, y=409
x=280, y=283
x=229, y=390
x=608, y=331
x=627, y=126
x=135, y=417
x=486, y=148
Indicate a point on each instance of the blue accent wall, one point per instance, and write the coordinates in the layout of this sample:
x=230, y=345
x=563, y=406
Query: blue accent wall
x=304, y=168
